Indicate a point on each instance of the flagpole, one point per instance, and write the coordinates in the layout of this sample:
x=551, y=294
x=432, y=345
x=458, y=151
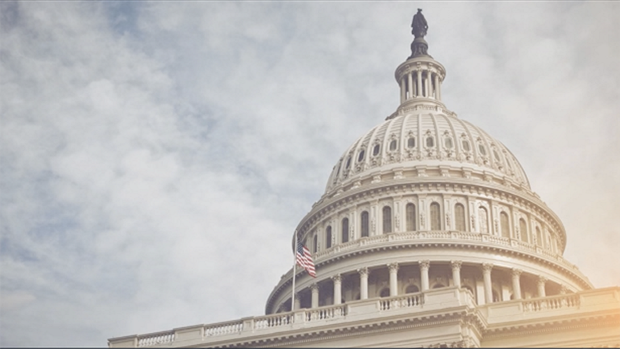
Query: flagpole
x=294, y=272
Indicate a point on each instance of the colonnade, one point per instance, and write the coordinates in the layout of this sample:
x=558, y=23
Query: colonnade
x=420, y=83
x=425, y=266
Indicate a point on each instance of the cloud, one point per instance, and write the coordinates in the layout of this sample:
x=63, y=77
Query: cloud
x=157, y=156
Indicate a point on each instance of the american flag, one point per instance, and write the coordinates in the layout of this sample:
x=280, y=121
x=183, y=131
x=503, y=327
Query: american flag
x=304, y=259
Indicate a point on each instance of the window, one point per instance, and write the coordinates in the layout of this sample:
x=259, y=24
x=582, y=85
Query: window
x=412, y=289
x=482, y=149
x=435, y=217
x=393, y=145
x=360, y=156
x=365, y=229
x=448, y=142
x=496, y=155
x=523, y=230
x=466, y=145
x=348, y=163
x=411, y=142
x=503, y=219
x=459, y=217
x=483, y=218
x=387, y=219
x=410, y=215
x=539, y=240
x=375, y=150
x=430, y=142
x=345, y=230
x=315, y=244
x=328, y=237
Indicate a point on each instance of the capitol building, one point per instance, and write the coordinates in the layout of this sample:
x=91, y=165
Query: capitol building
x=428, y=234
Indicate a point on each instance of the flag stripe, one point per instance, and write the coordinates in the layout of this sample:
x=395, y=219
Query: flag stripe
x=304, y=259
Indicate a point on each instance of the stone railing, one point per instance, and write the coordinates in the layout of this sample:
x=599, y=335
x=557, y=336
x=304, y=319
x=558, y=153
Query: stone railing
x=408, y=301
x=553, y=302
x=326, y=313
x=223, y=328
x=152, y=339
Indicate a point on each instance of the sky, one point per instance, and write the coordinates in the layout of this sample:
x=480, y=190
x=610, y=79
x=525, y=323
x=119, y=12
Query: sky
x=156, y=157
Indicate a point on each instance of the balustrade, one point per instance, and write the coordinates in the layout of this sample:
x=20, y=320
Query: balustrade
x=269, y=321
x=156, y=338
x=550, y=303
x=408, y=301
x=326, y=313
x=224, y=328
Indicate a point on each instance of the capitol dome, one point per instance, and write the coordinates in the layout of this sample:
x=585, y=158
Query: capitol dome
x=427, y=200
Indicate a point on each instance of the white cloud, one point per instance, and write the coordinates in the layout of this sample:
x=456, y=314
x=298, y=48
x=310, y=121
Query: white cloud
x=157, y=156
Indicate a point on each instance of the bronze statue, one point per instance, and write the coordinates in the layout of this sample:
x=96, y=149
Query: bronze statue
x=419, y=25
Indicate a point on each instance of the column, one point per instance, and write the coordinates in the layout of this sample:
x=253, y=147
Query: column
x=541, y=286
x=563, y=289
x=393, y=267
x=337, y=289
x=456, y=272
x=297, y=302
x=419, y=84
x=424, y=266
x=427, y=84
x=436, y=86
x=363, y=282
x=403, y=90
x=314, y=288
x=516, y=283
x=488, y=288
x=410, y=80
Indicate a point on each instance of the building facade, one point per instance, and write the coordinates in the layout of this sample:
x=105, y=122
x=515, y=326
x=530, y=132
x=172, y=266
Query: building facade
x=428, y=235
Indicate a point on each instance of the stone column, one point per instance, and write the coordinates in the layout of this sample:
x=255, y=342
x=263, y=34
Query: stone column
x=337, y=289
x=541, y=286
x=411, y=89
x=456, y=272
x=419, y=84
x=403, y=89
x=436, y=86
x=314, y=288
x=563, y=289
x=424, y=266
x=297, y=302
x=516, y=283
x=393, y=267
x=363, y=282
x=488, y=288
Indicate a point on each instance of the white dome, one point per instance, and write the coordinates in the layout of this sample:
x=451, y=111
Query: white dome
x=427, y=140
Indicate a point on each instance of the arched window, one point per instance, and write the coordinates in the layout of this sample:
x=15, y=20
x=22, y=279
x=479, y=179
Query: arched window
x=365, y=224
x=482, y=149
x=315, y=244
x=387, y=219
x=483, y=219
x=348, y=163
x=412, y=289
x=393, y=145
x=459, y=217
x=448, y=142
x=360, y=157
x=435, y=217
x=411, y=142
x=430, y=141
x=523, y=230
x=345, y=230
x=539, y=239
x=375, y=150
x=465, y=144
x=410, y=213
x=328, y=237
x=503, y=219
